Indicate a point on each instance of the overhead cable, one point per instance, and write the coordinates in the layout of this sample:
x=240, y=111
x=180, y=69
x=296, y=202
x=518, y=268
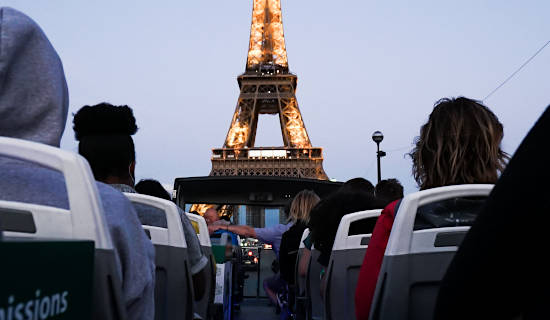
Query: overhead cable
x=515, y=72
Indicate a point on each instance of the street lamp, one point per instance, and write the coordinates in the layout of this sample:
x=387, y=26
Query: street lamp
x=377, y=137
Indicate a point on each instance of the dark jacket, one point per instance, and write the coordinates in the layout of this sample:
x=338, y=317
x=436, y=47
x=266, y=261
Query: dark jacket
x=288, y=251
x=501, y=270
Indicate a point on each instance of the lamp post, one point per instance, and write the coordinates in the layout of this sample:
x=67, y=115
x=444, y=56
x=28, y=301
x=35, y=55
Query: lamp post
x=377, y=137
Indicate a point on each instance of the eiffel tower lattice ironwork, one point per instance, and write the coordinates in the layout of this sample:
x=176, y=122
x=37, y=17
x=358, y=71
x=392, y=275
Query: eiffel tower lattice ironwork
x=267, y=87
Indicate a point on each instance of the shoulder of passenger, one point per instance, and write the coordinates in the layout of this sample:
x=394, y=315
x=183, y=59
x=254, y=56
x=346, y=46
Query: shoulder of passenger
x=391, y=209
x=114, y=201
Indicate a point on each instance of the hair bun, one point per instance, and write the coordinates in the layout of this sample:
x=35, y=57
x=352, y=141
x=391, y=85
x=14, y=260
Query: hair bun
x=104, y=119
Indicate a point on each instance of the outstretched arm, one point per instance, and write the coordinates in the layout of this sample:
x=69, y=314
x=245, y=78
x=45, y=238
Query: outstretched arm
x=243, y=231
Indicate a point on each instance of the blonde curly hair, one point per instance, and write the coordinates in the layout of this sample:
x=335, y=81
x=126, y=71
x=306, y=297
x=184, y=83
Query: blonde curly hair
x=301, y=206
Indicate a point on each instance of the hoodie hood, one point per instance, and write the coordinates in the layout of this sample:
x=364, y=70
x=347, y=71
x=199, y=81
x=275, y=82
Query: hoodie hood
x=34, y=98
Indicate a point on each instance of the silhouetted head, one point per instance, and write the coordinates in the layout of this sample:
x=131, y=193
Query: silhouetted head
x=211, y=215
x=459, y=144
x=301, y=206
x=152, y=188
x=104, y=132
x=357, y=185
x=388, y=190
x=325, y=217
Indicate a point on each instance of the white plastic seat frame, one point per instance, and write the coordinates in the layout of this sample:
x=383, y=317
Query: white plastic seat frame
x=85, y=219
x=173, y=235
x=391, y=298
x=347, y=256
x=300, y=281
x=314, y=303
x=203, y=305
x=300, y=302
x=204, y=237
x=85, y=216
x=344, y=241
x=171, y=261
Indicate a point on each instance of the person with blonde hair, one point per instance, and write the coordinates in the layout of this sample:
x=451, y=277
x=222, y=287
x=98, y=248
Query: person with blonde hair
x=299, y=210
x=300, y=207
x=290, y=241
x=460, y=144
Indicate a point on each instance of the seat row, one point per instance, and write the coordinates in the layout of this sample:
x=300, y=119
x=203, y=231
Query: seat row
x=85, y=222
x=414, y=263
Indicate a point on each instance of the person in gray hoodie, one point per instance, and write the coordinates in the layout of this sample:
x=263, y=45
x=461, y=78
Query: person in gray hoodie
x=34, y=106
x=105, y=139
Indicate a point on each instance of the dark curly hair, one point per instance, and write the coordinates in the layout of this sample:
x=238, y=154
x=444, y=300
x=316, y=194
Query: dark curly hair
x=104, y=119
x=153, y=188
x=104, y=132
x=459, y=144
x=388, y=191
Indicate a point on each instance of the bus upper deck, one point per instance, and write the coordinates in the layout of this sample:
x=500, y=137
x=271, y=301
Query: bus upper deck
x=174, y=293
x=78, y=242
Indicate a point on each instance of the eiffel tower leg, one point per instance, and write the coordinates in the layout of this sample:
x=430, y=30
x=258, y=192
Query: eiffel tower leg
x=284, y=132
x=243, y=119
x=253, y=125
x=293, y=124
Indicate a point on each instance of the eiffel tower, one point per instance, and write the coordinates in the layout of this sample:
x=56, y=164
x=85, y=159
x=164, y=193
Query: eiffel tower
x=267, y=87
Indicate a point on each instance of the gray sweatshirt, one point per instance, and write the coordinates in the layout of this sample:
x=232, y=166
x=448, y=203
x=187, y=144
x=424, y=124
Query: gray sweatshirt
x=33, y=106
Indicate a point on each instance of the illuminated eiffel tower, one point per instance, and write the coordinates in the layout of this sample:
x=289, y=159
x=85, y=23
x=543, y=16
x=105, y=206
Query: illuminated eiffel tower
x=267, y=87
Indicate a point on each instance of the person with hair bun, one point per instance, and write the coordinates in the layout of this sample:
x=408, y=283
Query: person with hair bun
x=152, y=188
x=34, y=103
x=105, y=134
x=460, y=144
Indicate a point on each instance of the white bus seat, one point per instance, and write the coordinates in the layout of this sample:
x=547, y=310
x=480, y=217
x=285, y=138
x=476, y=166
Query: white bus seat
x=173, y=283
x=300, y=281
x=315, y=307
x=202, y=306
x=204, y=237
x=416, y=261
x=84, y=221
x=345, y=262
x=300, y=296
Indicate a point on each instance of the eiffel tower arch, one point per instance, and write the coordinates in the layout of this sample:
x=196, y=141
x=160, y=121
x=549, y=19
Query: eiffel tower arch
x=267, y=87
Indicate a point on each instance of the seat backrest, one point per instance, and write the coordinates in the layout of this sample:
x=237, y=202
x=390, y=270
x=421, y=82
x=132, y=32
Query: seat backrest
x=202, y=306
x=204, y=237
x=345, y=262
x=315, y=307
x=84, y=221
x=300, y=299
x=173, y=284
x=300, y=281
x=416, y=261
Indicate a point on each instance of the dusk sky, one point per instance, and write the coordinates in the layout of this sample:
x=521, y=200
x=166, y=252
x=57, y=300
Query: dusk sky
x=362, y=66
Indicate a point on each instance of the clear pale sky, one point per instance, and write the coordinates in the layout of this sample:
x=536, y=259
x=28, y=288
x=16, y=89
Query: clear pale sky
x=362, y=66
